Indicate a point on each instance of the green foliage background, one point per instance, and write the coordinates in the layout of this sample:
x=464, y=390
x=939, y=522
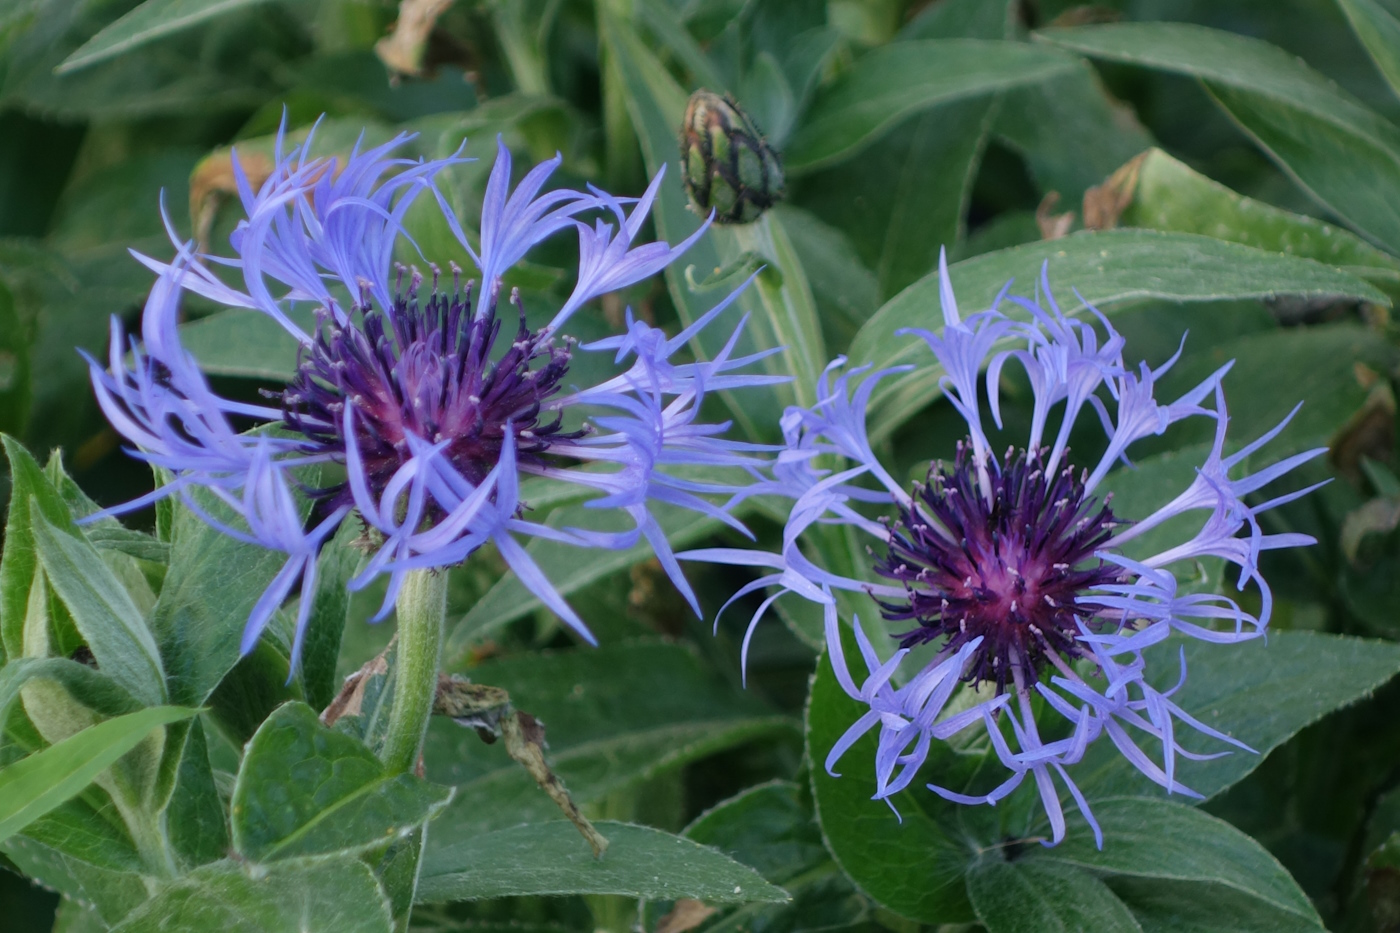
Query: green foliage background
x=1262, y=217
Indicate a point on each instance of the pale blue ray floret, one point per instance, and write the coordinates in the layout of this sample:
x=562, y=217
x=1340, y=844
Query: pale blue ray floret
x=1011, y=568
x=434, y=422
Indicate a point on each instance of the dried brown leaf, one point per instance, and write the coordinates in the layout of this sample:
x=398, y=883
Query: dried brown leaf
x=1052, y=226
x=402, y=49
x=1104, y=204
x=686, y=915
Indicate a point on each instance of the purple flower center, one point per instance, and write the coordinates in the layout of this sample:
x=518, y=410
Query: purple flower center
x=1010, y=567
x=426, y=369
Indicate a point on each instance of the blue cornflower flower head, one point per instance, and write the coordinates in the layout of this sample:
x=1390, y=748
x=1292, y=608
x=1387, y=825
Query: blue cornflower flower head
x=435, y=416
x=1012, y=566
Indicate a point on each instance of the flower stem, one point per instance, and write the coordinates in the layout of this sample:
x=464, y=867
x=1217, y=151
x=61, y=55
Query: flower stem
x=422, y=610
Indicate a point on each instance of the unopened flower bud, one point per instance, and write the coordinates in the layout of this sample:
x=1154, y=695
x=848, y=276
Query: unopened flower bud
x=726, y=163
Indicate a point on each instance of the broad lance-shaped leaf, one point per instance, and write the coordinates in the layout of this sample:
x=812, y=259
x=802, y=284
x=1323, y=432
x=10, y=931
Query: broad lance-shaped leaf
x=1343, y=154
x=33, y=786
x=19, y=558
x=106, y=534
x=899, y=79
x=771, y=828
x=1107, y=268
x=211, y=586
x=847, y=293
x=1160, y=840
x=1321, y=361
x=785, y=300
x=1170, y=195
x=1379, y=31
x=614, y=716
x=914, y=866
x=551, y=859
x=1188, y=907
x=112, y=893
x=102, y=610
x=928, y=166
x=1261, y=692
x=1071, y=133
x=1028, y=897
x=94, y=689
x=336, y=895
x=239, y=342
x=782, y=313
x=304, y=789
x=195, y=821
x=329, y=614
x=149, y=21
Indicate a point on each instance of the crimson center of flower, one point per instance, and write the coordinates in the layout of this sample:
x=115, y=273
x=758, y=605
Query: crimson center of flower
x=427, y=370
x=1009, y=566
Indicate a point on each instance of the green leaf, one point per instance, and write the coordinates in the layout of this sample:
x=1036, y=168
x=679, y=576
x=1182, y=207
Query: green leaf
x=33, y=786
x=1175, y=907
x=211, y=586
x=195, y=820
x=304, y=789
x=972, y=19
x=338, y=895
x=785, y=299
x=73, y=917
x=19, y=559
x=913, y=867
x=1107, y=268
x=929, y=164
x=1030, y=897
x=113, y=894
x=94, y=689
x=767, y=827
x=1321, y=361
x=1343, y=154
x=1157, y=839
x=846, y=292
x=569, y=568
x=1260, y=692
x=150, y=20
x=1172, y=196
x=1071, y=133
x=902, y=78
x=260, y=682
x=1379, y=31
x=553, y=859
x=106, y=534
x=614, y=716
x=77, y=832
x=109, y=621
x=662, y=21
x=329, y=612
x=240, y=342
x=771, y=828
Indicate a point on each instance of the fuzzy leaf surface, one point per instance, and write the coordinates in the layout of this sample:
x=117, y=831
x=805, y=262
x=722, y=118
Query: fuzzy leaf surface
x=304, y=789
x=552, y=859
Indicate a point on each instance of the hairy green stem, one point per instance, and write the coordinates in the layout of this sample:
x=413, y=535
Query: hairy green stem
x=422, y=611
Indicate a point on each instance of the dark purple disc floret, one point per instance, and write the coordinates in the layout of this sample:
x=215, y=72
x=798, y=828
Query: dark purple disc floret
x=1009, y=570
x=426, y=368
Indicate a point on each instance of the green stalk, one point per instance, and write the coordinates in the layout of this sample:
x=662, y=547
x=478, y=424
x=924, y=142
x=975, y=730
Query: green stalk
x=422, y=611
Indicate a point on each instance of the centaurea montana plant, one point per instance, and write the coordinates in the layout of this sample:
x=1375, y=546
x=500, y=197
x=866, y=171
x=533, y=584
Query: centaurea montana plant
x=1013, y=566
x=434, y=419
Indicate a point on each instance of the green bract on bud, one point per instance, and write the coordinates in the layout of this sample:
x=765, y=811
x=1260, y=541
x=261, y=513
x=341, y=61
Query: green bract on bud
x=727, y=164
